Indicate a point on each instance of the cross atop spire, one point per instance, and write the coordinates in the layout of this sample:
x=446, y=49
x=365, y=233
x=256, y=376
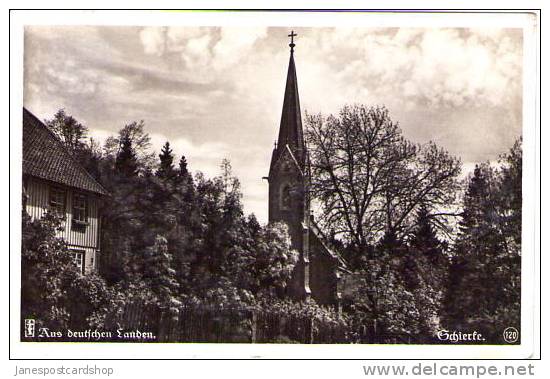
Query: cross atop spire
x=290, y=130
x=292, y=44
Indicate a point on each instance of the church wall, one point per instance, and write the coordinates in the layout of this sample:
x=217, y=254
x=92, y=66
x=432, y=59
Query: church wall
x=323, y=271
x=289, y=208
x=293, y=215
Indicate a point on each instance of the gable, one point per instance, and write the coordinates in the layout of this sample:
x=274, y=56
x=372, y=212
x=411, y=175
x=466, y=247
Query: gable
x=285, y=158
x=45, y=157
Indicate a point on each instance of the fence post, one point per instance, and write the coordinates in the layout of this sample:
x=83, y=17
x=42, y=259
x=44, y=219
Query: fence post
x=282, y=324
x=160, y=328
x=254, y=326
x=311, y=329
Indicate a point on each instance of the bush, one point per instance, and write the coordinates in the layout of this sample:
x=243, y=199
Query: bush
x=53, y=291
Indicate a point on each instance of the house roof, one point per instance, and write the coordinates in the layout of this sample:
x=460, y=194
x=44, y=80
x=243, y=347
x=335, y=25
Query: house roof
x=45, y=157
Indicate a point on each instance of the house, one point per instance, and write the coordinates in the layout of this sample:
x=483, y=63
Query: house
x=319, y=270
x=53, y=180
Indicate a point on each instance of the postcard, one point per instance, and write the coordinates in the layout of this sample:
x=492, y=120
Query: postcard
x=274, y=184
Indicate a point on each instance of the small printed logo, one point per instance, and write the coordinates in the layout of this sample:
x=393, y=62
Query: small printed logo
x=510, y=334
x=30, y=325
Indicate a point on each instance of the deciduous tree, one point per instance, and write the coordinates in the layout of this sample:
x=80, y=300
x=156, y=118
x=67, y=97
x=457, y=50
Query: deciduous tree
x=369, y=180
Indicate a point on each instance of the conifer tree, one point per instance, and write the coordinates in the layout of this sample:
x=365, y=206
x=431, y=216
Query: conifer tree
x=126, y=162
x=484, y=278
x=184, y=180
x=160, y=276
x=183, y=170
x=166, y=169
x=425, y=240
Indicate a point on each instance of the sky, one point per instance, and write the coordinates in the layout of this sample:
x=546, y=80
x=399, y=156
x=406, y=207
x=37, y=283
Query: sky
x=217, y=92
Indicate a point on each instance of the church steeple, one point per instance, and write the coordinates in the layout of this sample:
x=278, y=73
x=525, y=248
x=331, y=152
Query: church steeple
x=288, y=181
x=290, y=130
x=289, y=203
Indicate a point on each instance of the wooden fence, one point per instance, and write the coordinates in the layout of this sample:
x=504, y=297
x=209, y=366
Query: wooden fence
x=205, y=324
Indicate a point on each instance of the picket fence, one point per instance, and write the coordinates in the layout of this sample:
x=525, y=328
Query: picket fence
x=226, y=325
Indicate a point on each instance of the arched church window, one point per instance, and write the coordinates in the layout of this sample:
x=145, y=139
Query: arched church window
x=285, y=196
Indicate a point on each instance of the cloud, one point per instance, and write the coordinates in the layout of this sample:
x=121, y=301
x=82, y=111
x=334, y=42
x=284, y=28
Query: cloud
x=439, y=67
x=213, y=49
x=217, y=92
x=153, y=40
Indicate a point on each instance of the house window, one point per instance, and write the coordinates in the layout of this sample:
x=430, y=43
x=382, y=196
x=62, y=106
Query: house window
x=57, y=200
x=80, y=207
x=80, y=212
x=78, y=259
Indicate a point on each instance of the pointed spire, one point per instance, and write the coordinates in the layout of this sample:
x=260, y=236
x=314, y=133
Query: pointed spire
x=290, y=132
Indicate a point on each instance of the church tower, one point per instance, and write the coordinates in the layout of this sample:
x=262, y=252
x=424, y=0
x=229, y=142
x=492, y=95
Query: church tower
x=289, y=180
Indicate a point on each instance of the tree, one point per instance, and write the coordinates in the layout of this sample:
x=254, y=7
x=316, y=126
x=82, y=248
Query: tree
x=126, y=162
x=263, y=262
x=90, y=156
x=426, y=266
x=484, y=285
x=383, y=308
x=74, y=136
x=45, y=266
x=274, y=259
x=166, y=168
x=160, y=277
x=369, y=180
x=509, y=196
x=69, y=131
x=425, y=240
x=232, y=206
x=140, y=141
x=471, y=276
x=183, y=171
x=53, y=291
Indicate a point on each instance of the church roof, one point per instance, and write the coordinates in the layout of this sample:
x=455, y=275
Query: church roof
x=318, y=234
x=45, y=157
x=290, y=130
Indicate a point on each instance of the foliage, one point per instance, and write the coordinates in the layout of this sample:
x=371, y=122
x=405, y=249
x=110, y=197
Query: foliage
x=393, y=299
x=265, y=263
x=53, y=291
x=126, y=162
x=69, y=131
x=370, y=180
x=132, y=134
x=160, y=277
x=484, y=287
x=166, y=168
x=183, y=171
x=308, y=309
x=45, y=264
x=89, y=300
x=171, y=240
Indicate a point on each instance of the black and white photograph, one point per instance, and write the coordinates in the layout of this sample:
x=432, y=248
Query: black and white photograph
x=301, y=184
